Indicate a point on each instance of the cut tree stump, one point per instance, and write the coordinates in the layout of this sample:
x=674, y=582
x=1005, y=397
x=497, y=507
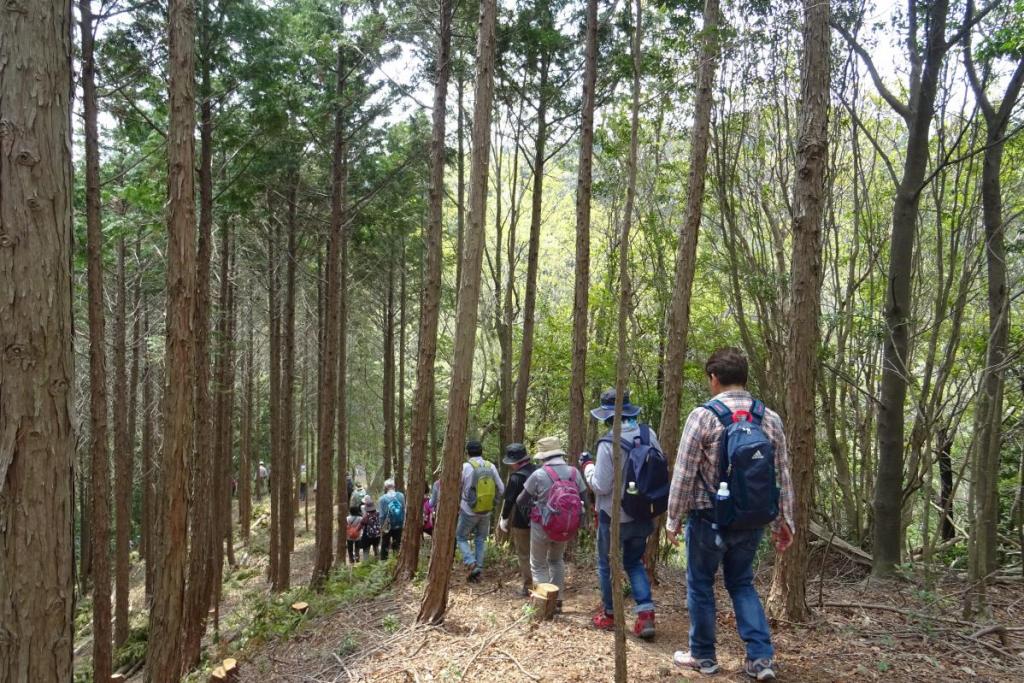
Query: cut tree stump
x=544, y=600
x=227, y=671
x=300, y=607
x=118, y=677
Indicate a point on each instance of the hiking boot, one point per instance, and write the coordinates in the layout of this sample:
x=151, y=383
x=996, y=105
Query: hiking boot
x=603, y=621
x=474, y=574
x=644, y=626
x=759, y=669
x=685, y=660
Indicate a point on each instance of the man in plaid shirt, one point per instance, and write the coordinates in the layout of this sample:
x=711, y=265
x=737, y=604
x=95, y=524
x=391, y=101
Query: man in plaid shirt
x=690, y=498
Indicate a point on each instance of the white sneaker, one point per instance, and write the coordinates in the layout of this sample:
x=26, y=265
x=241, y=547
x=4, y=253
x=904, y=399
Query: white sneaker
x=685, y=660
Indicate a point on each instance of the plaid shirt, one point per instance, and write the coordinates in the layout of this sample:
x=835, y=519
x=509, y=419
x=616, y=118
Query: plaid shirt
x=698, y=452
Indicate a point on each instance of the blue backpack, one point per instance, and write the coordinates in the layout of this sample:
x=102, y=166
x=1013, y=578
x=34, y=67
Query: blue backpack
x=646, y=467
x=746, y=462
x=396, y=511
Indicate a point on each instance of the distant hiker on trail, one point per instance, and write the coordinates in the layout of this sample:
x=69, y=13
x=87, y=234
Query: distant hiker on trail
x=354, y=533
x=392, y=509
x=262, y=479
x=481, y=487
x=428, y=513
x=357, y=496
x=555, y=492
x=515, y=515
x=303, y=482
x=371, y=529
x=634, y=529
x=731, y=451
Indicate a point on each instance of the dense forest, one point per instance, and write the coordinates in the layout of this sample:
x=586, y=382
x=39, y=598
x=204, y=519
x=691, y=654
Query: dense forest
x=337, y=239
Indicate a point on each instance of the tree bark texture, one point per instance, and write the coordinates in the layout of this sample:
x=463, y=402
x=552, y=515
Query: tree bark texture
x=678, y=314
x=581, y=290
x=430, y=302
x=164, y=655
x=787, y=599
x=532, y=257
x=122, y=454
x=98, y=404
x=274, y=322
x=898, y=296
x=245, y=469
x=435, y=596
x=36, y=368
x=287, y=493
x=622, y=355
x=201, y=507
x=329, y=389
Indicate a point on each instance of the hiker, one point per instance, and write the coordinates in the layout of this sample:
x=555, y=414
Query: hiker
x=392, y=508
x=349, y=488
x=633, y=530
x=354, y=533
x=356, y=499
x=371, y=529
x=481, y=486
x=732, y=443
x=428, y=512
x=303, y=482
x=262, y=479
x=555, y=491
x=515, y=515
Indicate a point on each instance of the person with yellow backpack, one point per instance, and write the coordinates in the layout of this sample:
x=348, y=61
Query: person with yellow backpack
x=481, y=489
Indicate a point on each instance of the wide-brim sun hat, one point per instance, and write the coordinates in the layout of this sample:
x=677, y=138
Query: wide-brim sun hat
x=607, y=407
x=549, y=447
x=515, y=453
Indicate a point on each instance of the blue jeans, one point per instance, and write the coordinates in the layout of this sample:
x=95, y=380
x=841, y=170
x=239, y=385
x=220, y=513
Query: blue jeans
x=736, y=556
x=476, y=527
x=634, y=543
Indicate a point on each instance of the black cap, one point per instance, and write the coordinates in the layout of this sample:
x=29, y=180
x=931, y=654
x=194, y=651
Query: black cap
x=474, y=448
x=515, y=453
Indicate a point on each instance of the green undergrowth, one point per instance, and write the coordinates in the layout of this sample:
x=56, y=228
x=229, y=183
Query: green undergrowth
x=269, y=617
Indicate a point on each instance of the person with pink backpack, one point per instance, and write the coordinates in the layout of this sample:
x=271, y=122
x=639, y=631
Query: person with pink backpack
x=556, y=491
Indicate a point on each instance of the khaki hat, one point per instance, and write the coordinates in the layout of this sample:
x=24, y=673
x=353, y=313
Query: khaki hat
x=549, y=447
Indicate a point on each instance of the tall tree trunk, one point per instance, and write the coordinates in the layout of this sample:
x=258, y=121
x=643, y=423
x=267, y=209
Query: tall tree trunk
x=98, y=409
x=678, y=315
x=202, y=507
x=329, y=374
x=533, y=250
x=787, y=599
x=430, y=301
x=37, y=456
x=149, y=470
x=164, y=660
x=898, y=296
x=245, y=456
x=622, y=355
x=341, y=467
x=388, y=392
x=400, y=446
x=581, y=291
x=286, y=493
x=945, y=453
x=460, y=185
x=989, y=420
x=221, y=489
x=435, y=596
x=122, y=454
x=134, y=376
x=274, y=321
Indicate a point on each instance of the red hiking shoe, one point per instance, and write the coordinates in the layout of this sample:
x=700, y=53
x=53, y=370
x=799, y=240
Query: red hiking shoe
x=644, y=626
x=603, y=621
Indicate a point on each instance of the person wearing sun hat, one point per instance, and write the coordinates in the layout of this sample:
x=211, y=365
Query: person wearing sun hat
x=515, y=519
x=600, y=476
x=547, y=554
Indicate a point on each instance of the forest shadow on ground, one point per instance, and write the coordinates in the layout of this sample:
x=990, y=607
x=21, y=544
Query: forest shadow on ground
x=361, y=629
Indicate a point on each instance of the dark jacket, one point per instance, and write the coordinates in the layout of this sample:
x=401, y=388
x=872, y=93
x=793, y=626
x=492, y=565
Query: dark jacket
x=520, y=515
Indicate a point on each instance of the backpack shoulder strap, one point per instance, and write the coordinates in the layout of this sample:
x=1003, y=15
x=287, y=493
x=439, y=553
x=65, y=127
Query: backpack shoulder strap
x=757, y=410
x=552, y=474
x=721, y=411
x=645, y=434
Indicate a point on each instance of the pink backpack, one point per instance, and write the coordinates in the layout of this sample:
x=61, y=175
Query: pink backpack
x=559, y=516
